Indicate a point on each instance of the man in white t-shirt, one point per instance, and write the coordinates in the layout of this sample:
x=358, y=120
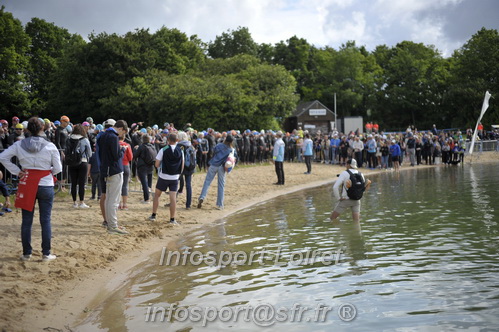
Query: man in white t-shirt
x=170, y=164
x=340, y=192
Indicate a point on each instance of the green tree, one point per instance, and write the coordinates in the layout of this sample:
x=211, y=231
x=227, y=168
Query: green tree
x=14, y=66
x=48, y=43
x=414, y=85
x=232, y=43
x=475, y=70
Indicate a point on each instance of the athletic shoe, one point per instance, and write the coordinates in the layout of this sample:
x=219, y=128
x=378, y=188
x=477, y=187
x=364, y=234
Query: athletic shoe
x=117, y=230
x=173, y=222
x=144, y=202
x=47, y=258
x=75, y=205
x=200, y=203
x=104, y=224
x=7, y=210
x=152, y=217
x=1, y=214
x=25, y=257
x=220, y=207
x=83, y=206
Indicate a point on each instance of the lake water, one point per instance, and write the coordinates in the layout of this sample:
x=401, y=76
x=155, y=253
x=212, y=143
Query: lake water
x=424, y=258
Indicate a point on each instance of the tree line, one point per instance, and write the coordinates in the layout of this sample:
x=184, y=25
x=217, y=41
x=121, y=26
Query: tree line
x=234, y=82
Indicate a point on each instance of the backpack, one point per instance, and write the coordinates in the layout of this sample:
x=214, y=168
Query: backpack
x=150, y=155
x=73, y=152
x=189, y=159
x=358, y=186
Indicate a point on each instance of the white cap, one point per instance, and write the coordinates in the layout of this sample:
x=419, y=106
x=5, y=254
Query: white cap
x=352, y=163
x=111, y=122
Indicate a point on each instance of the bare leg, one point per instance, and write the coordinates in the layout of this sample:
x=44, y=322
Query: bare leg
x=102, y=204
x=173, y=204
x=155, y=202
x=334, y=215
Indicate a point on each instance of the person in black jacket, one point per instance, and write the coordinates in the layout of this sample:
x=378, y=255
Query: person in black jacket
x=111, y=168
x=142, y=156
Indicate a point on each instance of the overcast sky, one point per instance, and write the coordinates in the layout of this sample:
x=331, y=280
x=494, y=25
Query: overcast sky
x=447, y=24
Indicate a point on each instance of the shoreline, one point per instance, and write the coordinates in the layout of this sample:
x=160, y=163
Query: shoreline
x=93, y=264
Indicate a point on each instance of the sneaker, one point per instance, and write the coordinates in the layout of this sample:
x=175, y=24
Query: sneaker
x=124, y=207
x=173, y=222
x=25, y=257
x=117, y=230
x=152, y=217
x=200, y=203
x=92, y=198
x=48, y=257
x=7, y=210
x=83, y=206
x=104, y=224
x=1, y=214
x=220, y=207
x=144, y=202
x=75, y=205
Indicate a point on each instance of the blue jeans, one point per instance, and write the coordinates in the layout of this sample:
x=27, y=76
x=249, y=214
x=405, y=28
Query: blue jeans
x=45, y=197
x=186, y=179
x=212, y=171
x=146, y=180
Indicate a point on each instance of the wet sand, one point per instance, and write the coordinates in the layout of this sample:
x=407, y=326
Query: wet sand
x=91, y=262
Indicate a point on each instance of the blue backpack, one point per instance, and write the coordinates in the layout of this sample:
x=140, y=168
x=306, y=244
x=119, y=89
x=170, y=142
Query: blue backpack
x=189, y=159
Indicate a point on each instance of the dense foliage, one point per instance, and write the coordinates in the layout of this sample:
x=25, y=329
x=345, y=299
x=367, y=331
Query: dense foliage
x=233, y=82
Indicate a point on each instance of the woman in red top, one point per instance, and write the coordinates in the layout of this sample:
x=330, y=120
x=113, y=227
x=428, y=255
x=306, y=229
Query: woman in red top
x=127, y=158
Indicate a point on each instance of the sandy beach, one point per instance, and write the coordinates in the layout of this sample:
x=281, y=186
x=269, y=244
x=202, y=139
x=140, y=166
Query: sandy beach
x=90, y=262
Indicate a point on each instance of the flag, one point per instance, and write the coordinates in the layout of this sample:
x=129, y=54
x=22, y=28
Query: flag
x=485, y=105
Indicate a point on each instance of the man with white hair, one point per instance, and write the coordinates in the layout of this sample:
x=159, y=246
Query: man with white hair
x=348, y=190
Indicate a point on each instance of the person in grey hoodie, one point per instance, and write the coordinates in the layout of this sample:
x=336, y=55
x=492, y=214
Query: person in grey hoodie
x=186, y=176
x=40, y=161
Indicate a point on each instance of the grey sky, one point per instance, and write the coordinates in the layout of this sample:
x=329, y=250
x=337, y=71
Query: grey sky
x=447, y=24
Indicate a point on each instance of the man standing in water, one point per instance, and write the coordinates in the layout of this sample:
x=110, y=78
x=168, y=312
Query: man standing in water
x=348, y=190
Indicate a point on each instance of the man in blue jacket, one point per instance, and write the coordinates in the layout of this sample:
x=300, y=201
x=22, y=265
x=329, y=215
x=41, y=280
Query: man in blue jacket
x=278, y=158
x=111, y=168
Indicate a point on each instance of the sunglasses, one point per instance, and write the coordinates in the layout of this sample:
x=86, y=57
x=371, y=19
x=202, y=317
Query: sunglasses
x=18, y=129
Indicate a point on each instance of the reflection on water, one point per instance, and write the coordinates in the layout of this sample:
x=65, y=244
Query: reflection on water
x=424, y=258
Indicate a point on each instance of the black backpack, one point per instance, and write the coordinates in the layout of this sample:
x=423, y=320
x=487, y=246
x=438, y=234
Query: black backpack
x=189, y=159
x=149, y=154
x=358, y=186
x=73, y=152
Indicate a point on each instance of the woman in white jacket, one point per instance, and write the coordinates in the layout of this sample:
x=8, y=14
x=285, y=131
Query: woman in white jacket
x=40, y=161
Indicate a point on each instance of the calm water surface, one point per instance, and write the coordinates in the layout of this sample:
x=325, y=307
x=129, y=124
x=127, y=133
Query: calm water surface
x=424, y=258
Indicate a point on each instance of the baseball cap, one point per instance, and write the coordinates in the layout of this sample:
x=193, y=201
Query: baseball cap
x=89, y=119
x=86, y=124
x=110, y=122
x=143, y=130
x=99, y=127
x=4, y=121
x=15, y=118
x=352, y=163
x=46, y=120
x=164, y=131
x=19, y=126
x=64, y=118
x=57, y=122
